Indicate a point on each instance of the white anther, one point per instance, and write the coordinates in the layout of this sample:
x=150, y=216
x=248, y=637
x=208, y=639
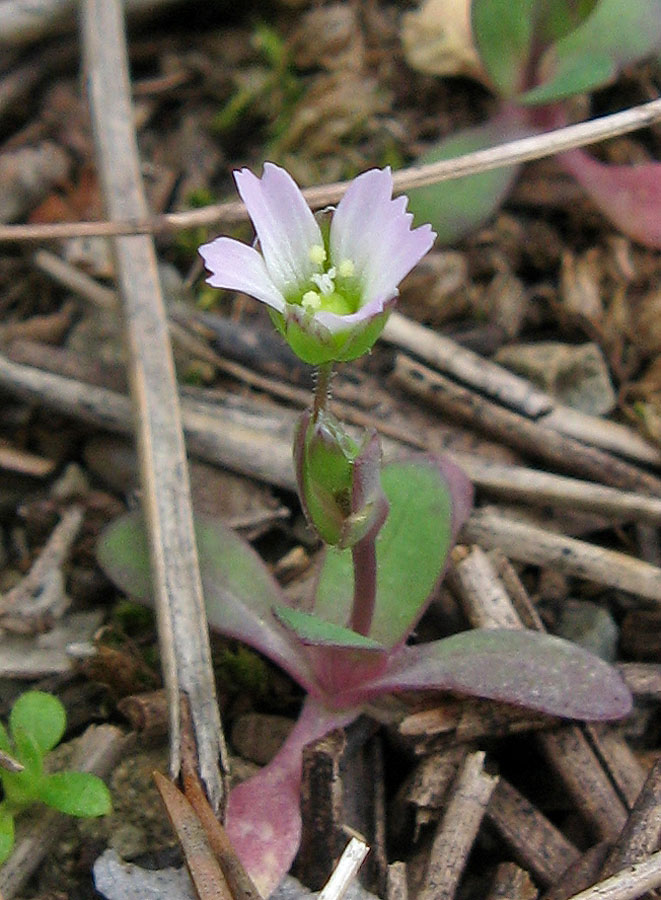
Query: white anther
x=317, y=254
x=311, y=300
x=325, y=281
x=346, y=268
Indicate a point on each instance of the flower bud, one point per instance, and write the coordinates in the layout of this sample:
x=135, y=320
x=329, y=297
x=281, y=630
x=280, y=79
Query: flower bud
x=338, y=480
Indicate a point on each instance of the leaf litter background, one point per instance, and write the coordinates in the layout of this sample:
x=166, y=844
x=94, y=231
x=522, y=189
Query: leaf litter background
x=327, y=91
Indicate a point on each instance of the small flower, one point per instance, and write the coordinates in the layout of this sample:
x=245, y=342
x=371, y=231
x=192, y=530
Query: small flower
x=329, y=288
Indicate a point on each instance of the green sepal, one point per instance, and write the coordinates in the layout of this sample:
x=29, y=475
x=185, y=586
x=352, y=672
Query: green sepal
x=316, y=345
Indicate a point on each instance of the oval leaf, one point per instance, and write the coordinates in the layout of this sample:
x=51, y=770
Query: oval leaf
x=526, y=668
x=76, y=794
x=458, y=206
x=503, y=32
x=613, y=36
x=429, y=501
x=239, y=591
x=40, y=717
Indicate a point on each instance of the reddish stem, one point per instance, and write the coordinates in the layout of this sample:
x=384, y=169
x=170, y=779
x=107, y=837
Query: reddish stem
x=364, y=583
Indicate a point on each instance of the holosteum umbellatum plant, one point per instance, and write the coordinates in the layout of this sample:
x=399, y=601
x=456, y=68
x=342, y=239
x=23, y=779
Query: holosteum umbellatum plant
x=330, y=282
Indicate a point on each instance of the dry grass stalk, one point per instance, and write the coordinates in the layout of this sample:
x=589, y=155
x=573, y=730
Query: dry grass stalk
x=183, y=636
x=522, y=150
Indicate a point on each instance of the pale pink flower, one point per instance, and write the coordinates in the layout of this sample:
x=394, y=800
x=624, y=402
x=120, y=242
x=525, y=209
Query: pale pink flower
x=329, y=290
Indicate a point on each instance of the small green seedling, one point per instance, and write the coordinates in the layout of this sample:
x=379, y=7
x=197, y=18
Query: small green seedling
x=36, y=725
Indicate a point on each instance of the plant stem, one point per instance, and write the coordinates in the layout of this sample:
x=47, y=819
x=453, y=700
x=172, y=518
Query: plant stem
x=323, y=377
x=363, y=555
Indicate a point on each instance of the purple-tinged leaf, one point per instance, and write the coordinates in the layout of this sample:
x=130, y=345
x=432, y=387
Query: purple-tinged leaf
x=429, y=500
x=239, y=591
x=525, y=668
x=263, y=813
x=460, y=205
x=614, y=35
x=630, y=196
x=341, y=658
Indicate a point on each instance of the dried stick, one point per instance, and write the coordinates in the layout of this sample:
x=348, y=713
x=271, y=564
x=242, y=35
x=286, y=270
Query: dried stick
x=185, y=652
x=538, y=488
x=41, y=592
x=515, y=430
x=345, y=871
x=499, y=384
x=99, y=751
x=522, y=150
x=511, y=883
x=632, y=882
x=529, y=544
x=535, y=842
x=458, y=829
x=641, y=834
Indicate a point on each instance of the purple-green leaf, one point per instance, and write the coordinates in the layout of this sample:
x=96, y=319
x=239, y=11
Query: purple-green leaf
x=263, y=813
x=239, y=591
x=616, y=34
x=459, y=205
x=429, y=501
x=525, y=668
x=630, y=196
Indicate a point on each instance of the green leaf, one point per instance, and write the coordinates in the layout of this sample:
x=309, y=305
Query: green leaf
x=503, y=32
x=428, y=502
x=6, y=834
x=310, y=629
x=458, y=206
x=40, y=717
x=76, y=794
x=556, y=18
x=613, y=36
x=239, y=591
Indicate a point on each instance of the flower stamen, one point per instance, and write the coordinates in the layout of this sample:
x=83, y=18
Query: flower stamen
x=311, y=301
x=346, y=269
x=317, y=254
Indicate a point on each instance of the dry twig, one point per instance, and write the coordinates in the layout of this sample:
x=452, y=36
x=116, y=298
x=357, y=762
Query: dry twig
x=185, y=652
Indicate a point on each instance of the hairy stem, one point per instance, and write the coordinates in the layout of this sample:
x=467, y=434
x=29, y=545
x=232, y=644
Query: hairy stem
x=323, y=377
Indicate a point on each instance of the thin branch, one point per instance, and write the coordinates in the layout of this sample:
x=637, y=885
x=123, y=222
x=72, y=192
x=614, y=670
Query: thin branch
x=510, y=153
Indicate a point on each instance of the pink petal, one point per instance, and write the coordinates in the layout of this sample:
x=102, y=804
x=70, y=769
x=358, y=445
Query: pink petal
x=263, y=813
x=375, y=232
x=237, y=267
x=630, y=196
x=284, y=224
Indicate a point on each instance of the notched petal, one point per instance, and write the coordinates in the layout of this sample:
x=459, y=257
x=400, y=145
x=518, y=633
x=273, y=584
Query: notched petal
x=236, y=267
